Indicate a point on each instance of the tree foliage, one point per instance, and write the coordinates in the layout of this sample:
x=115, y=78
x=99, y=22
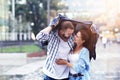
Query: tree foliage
x=35, y=12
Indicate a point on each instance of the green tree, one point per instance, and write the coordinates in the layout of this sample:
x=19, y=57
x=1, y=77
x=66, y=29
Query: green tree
x=35, y=12
x=38, y=13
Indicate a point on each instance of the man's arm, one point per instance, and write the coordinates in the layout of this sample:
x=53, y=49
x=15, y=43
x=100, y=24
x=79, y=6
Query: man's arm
x=46, y=30
x=43, y=36
x=43, y=32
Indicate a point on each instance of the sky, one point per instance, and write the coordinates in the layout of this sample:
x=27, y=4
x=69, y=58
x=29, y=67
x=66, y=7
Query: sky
x=89, y=5
x=97, y=6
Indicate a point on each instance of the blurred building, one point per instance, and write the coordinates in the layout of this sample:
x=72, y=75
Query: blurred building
x=4, y=15
x=10, y=30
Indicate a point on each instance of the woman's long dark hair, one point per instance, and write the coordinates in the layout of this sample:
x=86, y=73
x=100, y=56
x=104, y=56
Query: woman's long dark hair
x=87, y=36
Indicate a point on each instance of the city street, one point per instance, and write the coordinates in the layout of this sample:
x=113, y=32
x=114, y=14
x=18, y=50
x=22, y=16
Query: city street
x=22, y=21
x=105, y=67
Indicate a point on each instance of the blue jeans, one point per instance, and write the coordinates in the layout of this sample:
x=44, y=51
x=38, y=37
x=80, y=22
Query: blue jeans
x=75, y=78
x=49, y=78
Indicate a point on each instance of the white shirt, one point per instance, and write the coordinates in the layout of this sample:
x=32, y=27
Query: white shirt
x=61, y=71
x=73, y=58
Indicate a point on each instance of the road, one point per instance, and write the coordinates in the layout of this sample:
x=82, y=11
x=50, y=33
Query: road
x=105, y=67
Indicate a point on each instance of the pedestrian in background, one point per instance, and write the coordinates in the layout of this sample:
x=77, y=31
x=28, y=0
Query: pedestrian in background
x=104, y=41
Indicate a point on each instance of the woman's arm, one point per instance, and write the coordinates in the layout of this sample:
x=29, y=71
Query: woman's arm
x=83, y=62
x=80, y=66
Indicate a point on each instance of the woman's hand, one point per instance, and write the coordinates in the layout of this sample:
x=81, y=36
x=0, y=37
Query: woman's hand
x=61, y=61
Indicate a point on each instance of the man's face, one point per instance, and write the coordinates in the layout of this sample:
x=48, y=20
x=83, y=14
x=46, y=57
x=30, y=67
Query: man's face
x=65, y=34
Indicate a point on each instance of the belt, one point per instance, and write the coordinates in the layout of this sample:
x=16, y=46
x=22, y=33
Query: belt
x=77, y=75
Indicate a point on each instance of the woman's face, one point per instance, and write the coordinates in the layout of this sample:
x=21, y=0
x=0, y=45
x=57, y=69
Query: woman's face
x=78, y=39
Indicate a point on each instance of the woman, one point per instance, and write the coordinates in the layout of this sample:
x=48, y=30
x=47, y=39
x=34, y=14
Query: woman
x=79, y=58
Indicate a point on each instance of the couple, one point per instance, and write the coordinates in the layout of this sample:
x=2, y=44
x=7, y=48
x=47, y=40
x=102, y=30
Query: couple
x=68, y=54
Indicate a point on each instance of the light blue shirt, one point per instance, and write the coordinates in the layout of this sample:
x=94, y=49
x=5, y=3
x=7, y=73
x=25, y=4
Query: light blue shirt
x=82, y=65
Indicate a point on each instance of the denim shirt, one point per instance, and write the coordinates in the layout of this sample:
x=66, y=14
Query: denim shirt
x=83, y=65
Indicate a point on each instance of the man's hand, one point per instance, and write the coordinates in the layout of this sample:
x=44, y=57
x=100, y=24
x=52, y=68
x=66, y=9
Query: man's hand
x=56, y=20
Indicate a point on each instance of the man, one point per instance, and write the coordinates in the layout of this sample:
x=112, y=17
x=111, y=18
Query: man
x=60, y=42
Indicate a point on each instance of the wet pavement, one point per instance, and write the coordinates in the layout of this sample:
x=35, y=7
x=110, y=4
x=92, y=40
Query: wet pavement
x=105, y=67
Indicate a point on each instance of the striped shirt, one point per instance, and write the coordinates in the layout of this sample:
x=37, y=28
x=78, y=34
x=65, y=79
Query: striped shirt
x=49, y=68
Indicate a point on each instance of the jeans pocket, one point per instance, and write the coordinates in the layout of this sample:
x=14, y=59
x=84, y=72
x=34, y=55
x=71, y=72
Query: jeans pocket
x=78, y=78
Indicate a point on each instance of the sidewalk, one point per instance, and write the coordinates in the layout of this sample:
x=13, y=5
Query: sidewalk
x=25, y=69
x=13, y=59
x=105, y=67
x=30, y=71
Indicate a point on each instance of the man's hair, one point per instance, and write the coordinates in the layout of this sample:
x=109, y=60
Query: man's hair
x=65, y=25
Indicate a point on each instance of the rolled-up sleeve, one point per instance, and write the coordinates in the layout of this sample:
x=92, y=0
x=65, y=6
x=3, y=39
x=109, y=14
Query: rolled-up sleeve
x=83, y=62
x=41, y=36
